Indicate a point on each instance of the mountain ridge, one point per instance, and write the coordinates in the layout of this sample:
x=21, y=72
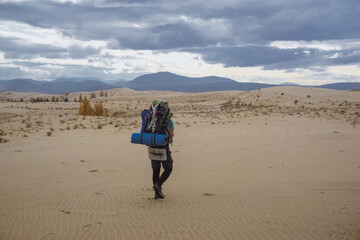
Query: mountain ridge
x=160, y=81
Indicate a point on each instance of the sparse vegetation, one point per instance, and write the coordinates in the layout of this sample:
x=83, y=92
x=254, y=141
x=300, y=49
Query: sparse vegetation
x=38, y=99
x=99, y=109
x=85, y=109
x=3, y=140
x=118, y=114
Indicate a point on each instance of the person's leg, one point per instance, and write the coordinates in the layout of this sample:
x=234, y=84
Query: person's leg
x=156, y=165
x=156, y=174
x=157, y=186
x=164, y=176
x=168, y=166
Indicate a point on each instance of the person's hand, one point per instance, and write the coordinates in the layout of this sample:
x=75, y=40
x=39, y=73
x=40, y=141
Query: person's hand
x=172, y=134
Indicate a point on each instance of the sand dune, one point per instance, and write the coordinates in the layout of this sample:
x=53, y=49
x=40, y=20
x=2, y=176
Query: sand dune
x=247, y=165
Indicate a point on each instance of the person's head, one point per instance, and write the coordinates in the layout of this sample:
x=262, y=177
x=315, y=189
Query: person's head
x=160, y=109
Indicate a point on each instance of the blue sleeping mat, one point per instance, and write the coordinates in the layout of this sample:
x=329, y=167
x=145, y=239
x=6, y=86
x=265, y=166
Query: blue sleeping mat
x=149, y=139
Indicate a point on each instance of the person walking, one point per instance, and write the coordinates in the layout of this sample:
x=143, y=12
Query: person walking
x=158, y=180
x=159, y=122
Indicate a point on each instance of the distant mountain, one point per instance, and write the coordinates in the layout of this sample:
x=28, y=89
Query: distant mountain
x=342, y=86
x=210, y=87
x=64, y=79
x=119, y=83
x=289, y=84
x=17, y=85
x=170, y=79
x=161, y=81
x=166, y=81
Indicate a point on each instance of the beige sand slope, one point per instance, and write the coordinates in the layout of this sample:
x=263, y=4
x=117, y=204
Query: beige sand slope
x=248, y=165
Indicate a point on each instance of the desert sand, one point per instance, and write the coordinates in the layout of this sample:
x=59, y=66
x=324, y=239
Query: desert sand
x=275, y=163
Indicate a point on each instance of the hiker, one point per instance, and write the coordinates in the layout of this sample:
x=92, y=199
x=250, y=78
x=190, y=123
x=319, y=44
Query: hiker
x=159, y=122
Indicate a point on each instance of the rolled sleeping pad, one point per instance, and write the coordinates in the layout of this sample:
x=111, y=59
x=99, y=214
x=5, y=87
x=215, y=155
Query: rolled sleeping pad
x=149, y=139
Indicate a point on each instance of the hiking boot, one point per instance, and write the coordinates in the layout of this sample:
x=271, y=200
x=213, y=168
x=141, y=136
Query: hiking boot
x=157, y=195
x=158, y=192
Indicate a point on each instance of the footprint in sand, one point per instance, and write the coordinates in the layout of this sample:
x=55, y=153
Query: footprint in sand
x=47, y=236
x=87, y=226
x=65, y=212
x=208, y=194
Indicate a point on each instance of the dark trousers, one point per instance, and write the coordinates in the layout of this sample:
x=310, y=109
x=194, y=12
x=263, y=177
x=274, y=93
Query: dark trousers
x=167, y=165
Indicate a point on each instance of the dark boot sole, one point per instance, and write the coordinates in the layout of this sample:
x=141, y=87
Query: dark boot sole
x=158, y=193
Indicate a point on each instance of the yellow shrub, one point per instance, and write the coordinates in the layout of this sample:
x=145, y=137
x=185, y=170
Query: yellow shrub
x=85, y=108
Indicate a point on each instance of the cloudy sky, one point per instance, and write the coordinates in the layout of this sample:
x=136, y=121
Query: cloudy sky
x=270, y=41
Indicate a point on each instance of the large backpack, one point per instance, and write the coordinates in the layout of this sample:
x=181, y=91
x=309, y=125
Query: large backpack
x=157, y=118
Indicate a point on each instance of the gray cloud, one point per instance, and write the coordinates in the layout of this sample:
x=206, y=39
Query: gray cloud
x=168, y=36
x=250, y=21
x=11, y=72
x=44, y=73
x=76, y=51
x=195, y=26
x=259, y=21
x=347, y=57
x=83, y=71
x=15, y=48
x=254, y=21
x=275, y=58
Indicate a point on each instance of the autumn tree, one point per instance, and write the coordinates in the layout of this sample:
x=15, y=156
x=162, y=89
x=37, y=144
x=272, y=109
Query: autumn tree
x=80, y=98
x=99, y=108
x=101, y=93
x=85, y=108
x=53, y=99
x=75, y=100
x=106, y=94
x=92, y=95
